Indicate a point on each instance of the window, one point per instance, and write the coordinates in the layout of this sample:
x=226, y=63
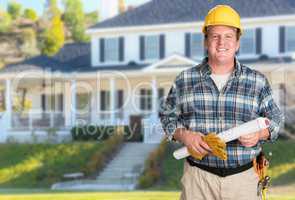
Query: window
x=152, y=47
x=51, y=102
x=247, y=43
x=197, y=46
x=111, y=49
x=290, y=38
x=146, y=99
x=104, y=100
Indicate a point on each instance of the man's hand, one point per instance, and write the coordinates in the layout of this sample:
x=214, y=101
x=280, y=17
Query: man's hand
x=252, y=139
x=193, y=141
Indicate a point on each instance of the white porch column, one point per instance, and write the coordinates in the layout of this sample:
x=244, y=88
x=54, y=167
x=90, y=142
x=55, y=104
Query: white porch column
x=98, y=106
x=154, y=96
x=113, y=99
x=67, y=104
x=74, y=101
x=8, y=104
x=93, y=106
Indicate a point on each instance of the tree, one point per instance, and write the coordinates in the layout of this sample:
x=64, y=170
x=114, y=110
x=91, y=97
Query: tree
x=30, y=14
x=53, y=38
x=74, y=19
x=29, y=46
x=5, y=21
x=51, y=9
x=14, y=9
x=91, y=18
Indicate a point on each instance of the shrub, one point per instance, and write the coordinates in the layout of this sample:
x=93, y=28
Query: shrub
x=152, y=169
x=99, y=159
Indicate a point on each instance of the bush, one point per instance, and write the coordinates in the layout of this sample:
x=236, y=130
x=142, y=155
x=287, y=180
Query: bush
x=151, y=173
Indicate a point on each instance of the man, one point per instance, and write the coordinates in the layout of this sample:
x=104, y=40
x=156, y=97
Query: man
x=218, y=94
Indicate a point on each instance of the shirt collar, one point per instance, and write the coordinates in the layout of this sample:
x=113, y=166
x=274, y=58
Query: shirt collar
x=206, y=70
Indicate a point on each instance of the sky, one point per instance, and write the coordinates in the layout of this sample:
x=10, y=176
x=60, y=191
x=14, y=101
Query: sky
x=89, y=5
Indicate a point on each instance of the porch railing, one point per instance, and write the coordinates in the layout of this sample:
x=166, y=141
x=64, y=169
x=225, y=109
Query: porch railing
x=31, y=119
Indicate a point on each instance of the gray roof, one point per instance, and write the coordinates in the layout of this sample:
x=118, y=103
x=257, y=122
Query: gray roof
x=176, y=11
x=74, y=57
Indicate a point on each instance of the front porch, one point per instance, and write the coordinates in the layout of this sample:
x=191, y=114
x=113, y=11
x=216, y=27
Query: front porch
x=42, y=104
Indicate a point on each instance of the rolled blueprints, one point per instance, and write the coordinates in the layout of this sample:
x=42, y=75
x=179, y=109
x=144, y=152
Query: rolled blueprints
x=252, y=126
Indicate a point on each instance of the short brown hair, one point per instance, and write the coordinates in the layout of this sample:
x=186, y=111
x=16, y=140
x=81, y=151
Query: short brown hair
x=238, y=33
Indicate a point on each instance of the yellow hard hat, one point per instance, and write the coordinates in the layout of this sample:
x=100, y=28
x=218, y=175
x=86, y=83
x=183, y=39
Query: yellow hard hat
x=222, y=15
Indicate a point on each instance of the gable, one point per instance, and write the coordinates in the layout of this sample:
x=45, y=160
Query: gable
x=173, y=62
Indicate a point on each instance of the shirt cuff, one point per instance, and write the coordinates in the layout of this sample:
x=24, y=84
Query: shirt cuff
x=171, y=131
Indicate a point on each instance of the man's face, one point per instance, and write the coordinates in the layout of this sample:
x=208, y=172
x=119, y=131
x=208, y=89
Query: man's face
x=222, y=44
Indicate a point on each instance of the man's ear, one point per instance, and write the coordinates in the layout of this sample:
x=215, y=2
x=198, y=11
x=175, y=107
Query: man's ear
x=205, y=43
x=238, y=46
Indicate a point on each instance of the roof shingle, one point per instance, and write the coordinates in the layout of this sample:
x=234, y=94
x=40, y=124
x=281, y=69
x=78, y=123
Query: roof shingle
x=158, y=12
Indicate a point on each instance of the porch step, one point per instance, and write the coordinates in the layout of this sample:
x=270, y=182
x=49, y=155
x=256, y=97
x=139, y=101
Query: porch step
x=127, y=166
x=120, y=174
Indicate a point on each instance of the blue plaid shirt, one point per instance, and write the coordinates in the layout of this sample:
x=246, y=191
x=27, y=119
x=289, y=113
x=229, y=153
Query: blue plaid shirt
x=195, y=103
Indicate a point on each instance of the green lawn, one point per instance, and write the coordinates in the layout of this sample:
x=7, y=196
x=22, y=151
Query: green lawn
x=40, y=165
x=282, y=166
x=139, y=195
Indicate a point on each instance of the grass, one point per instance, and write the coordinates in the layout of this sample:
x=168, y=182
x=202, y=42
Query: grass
x=40, y=165
x=282, y=166
x=142, y=195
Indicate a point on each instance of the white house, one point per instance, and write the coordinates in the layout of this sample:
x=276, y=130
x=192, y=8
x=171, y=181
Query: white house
x=130, y=63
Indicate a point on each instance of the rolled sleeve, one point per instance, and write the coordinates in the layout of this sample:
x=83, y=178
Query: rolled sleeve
x=269, y=109
x=169, y=114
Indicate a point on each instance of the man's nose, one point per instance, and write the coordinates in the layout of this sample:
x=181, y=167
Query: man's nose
x=221, y=40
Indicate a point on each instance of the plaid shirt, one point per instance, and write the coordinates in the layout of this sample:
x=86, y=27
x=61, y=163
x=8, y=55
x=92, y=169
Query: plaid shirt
x=195, y=103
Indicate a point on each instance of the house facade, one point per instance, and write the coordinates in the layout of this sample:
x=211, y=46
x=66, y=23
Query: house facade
x=129, y=65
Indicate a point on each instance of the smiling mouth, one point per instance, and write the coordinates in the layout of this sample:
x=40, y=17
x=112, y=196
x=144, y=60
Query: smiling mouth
x=222, y=50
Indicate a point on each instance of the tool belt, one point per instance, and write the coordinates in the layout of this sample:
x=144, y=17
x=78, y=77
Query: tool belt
x=222, y=172
x=260, y=165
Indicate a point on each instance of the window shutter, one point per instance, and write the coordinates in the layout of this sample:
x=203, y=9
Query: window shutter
x=141, y=47
x=162, y=46
x=101, y=50
x=102, y=100
x=121, y=49
x=188, y=45
x=43, y=102
x=258, y=41
x=120, y=99
x=282, y=39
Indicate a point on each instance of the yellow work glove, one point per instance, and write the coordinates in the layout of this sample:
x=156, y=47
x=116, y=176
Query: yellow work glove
x=217, y=146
